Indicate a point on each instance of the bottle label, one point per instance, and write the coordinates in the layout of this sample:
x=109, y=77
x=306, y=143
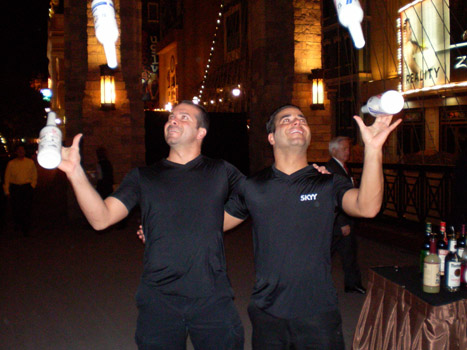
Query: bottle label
x=442, y=257
x=52, y=138
x=453, y=274
x=431, y=274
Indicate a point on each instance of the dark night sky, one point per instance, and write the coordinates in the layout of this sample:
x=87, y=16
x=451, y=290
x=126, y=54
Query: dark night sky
x=23, y=36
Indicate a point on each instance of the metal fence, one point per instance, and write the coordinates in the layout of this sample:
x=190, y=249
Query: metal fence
x=415, y=192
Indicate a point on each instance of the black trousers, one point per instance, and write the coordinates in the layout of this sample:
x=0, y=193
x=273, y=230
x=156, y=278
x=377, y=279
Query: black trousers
x=346, y=247
x=165, y=321
x=322, y=331
x=21, y=206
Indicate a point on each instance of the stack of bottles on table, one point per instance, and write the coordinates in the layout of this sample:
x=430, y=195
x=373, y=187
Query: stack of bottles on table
x=443, y=259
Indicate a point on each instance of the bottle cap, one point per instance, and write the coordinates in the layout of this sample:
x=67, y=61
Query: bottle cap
x=110, y=54
x=356, y=33
x=51, y=116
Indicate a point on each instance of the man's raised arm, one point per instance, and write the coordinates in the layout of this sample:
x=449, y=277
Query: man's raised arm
x=100, y=214
x=366, y=201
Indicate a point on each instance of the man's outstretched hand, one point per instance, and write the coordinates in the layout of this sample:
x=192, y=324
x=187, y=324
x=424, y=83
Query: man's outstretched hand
x=70, y=156
x=375, y=135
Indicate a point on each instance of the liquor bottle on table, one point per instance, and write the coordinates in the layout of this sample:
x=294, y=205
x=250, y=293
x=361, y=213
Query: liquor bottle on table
x=461, y=243
x=431, y=266
x=463, y=257
x=442, y=247
x=452, y=268
x=425, y=250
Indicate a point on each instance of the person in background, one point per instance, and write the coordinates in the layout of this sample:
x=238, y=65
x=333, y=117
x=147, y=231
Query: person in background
x=104, y=173
x=343, y=235
x=19, y=183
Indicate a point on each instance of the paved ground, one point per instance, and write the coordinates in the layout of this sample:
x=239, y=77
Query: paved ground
x=67, y=287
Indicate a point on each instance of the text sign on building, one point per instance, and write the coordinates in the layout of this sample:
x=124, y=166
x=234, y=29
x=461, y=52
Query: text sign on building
x=433, y=49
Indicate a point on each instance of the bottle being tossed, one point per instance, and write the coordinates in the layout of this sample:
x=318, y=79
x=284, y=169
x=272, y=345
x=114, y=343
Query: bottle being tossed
x=388, y=103
x=49, y=154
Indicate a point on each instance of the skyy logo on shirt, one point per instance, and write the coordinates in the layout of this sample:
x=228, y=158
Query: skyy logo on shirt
x=308, y=197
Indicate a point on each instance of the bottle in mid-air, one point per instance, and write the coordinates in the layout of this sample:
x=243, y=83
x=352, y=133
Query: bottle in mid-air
x=49, y=154
x=388, y=103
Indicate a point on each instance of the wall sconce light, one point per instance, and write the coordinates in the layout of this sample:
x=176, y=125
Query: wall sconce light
x=107, y=88
x=317, y=89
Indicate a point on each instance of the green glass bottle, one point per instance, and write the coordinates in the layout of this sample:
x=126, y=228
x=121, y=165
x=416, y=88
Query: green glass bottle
x=425, y=249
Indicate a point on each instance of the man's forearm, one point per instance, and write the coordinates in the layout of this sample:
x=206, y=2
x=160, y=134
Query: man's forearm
x=366, y=200
x=370, y=194
x=90, y=202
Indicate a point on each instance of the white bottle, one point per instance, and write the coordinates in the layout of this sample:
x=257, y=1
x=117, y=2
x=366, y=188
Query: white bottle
x=388, y=103
x=106, y=27
x=50, y=145
x=350, y=15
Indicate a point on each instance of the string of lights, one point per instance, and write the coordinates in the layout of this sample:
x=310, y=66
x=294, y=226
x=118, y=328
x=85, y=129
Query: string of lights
x=198, y=99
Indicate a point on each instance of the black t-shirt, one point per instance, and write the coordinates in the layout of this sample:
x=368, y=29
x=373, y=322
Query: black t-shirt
x=293, y=217
x=182, y=209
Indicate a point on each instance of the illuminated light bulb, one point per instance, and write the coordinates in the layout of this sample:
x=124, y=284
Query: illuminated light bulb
x=388, y=103
x=106, y=28
x=212, y=102
x=168, y=107
x=218, y=21
x=195, y=100
x=49, y=154
x=350, y=15
x=236, y=92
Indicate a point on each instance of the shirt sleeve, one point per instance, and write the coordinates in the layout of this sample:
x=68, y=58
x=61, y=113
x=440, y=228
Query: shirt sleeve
x=235, y=177
x=236, y=205
x=129, y=191
x=340, y=185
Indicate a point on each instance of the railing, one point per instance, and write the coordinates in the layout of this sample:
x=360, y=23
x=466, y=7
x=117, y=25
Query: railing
x=415, y=192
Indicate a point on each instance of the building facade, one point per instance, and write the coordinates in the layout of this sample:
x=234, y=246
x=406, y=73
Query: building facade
x=251, y=56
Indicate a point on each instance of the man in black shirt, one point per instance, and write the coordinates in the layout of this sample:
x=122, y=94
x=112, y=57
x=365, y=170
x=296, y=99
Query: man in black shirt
x=294, y=302
x=184, y=287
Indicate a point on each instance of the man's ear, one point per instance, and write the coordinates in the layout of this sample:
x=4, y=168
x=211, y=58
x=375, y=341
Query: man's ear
x=202, y=132
x=271, y=139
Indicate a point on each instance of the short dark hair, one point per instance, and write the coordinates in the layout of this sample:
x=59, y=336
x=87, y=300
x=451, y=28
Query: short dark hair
x=202, y=117
x=271, y=124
